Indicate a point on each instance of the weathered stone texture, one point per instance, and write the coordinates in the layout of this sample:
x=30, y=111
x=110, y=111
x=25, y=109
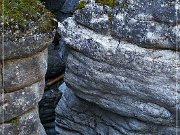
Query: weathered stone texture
x=20, y=101
x=25, y=46
x=151, y=24
x=25, y=65
x=20, y=73
x=79, y=117
x=26, y=124
x=128, y=66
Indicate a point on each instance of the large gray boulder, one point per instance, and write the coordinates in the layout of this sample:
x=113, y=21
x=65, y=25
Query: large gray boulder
x=127, y=65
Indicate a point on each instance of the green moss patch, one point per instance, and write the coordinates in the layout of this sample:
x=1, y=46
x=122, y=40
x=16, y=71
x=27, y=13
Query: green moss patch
x=109, y=3
x=26, y=17
x=80, y=5
x=14, y=120
x=110, y=16
x=124, y=4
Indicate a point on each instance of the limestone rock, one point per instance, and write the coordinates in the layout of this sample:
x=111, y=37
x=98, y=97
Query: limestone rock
x=26, y=124
x=20, y=101
x=128, y=66
x=151, y=24
x=75, y=116
x=25, y=46
x=22, y=84
x=20, y=73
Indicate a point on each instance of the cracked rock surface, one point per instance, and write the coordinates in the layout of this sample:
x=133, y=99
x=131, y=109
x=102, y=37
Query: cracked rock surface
x=128, y=67
x=25, y=65
x=86, y=118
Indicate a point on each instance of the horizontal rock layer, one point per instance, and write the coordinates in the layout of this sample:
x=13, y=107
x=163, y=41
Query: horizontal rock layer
x=19, y=73
x=22, y=85
x=25, y=46
x=20, y=101
x=123, y=77
x=79, y=117
x=151, y=24
x=26, y=124
x=128, y=67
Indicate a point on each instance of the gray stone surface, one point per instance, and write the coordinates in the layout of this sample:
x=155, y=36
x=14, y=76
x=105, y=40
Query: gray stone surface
x=124, y=78
x=19, y=73
x=56, y=64
x=129, y=66
x=18, y=102
x=26, y=124
x=23, y=74
x=75, y=116
x=149, y=23
x=25, y=46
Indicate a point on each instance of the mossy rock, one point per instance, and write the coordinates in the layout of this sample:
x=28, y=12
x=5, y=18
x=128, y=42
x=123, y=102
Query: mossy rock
x=25, y=18
x=112, y=3
x=109, y=3
x=80, y=5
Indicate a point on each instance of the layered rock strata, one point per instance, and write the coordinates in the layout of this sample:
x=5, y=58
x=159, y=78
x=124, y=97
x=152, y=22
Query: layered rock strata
x=79, y=117
x=126, y=61
x=25, y=65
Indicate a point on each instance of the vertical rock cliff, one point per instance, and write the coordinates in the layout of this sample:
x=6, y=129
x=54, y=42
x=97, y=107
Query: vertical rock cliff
x=26, y=31
x=25, y=65
x=122, y=72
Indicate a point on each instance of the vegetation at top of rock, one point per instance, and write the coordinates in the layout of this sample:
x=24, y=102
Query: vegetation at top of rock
x=112, y=3
x=25, y=18
x=109, y=3
x=80, y=5
x=124, y=4
x=14, y=120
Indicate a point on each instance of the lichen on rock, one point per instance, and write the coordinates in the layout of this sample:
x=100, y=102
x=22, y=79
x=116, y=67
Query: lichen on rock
x=128, y=68
x=24, y=18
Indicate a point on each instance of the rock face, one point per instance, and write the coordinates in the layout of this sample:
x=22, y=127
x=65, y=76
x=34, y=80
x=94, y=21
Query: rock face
x=47, y=107
x=76, y=117
x=56, y=65
x=61, y=8
x=126, y=61
x=25, y=65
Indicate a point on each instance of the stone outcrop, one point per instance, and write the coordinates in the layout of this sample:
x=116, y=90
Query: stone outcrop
x=25, y=65
x=76, y=117
x=123, y=63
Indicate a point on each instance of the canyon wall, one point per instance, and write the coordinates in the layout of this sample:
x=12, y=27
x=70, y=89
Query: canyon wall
x=122, y=70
